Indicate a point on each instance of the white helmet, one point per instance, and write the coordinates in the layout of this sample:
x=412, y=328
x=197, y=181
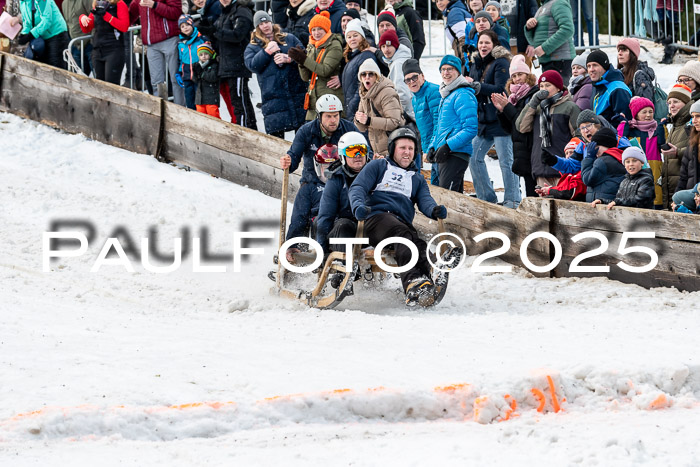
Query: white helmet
x=328, y=103
x=351, y=140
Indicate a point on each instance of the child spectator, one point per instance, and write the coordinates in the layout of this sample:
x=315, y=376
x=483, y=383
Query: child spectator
x=601, y=169
x=190, y=39
x=637, y=188
x=646, y=133
x=696, y=201
x=570, y=184
x=580, y=84
x=689, y=175
x=206, y=75
x=108, y=20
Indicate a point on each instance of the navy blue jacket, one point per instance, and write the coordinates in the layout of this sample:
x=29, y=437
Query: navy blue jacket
x=492, y=72
x=602, y=176
x=281, y=87
x=299, y=17
x=307, y=141
x=335, y=204
x=336, y=11
x=350, y=82
x=210, y=12
x=383, y=186
x=611, y=105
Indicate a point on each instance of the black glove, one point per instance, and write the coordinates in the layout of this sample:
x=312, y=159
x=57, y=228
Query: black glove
x=25, y=38
x=548, y=158
x=430, y=157
x=442, y=153
x=439, y=212
x=297, y=54
x=537, y=99
x=206, y=27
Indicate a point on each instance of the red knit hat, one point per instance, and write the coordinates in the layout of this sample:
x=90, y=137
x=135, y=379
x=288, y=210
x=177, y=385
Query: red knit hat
x=552, y=76
x=389, y=37
x=321, y=20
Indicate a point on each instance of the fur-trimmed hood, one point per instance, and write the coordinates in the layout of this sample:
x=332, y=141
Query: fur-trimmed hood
x=501, y=52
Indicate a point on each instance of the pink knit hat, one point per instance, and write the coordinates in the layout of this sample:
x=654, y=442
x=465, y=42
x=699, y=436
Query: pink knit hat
x=518, y=65
x=638, y=103
x=632, y=44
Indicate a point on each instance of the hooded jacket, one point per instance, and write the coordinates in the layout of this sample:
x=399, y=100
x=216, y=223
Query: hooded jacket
x=351, y=85
x=651, y=147
x=299, y=18
x=611, y=97
x=678, y=135
x=457, y=18
x=414, y=24
x=636, y=191
x=603, y=175
x=232, y=35
x=582, y=93
x=426, y=105
x=187, y=52
x=522, y=142
x=159, y=23
x=207, y=79
x=381, y=103
x=689, y=176
x=396, y=76
x=492, y=72
x=383, y=186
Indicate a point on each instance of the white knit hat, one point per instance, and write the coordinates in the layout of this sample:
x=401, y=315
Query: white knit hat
x=354, y=25
x=635, y=153
x=369, y=65
x=692, y=70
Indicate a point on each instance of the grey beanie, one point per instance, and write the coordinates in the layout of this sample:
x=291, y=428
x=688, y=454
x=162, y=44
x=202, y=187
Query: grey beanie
x=260, y=17
x=587, y=116
x=695, y=108
x=411, y=66
x=484, y=14
x=493, y=3
x=580, y=60
x=633, y=152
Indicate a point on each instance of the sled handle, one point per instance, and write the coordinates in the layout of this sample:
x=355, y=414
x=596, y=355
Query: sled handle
x=283, y=223
x=441, y=230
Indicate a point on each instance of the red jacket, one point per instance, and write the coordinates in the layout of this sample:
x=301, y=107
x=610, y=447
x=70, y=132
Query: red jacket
x=159, y=23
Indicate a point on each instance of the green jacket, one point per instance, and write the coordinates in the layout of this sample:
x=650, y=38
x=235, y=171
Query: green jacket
x=554, y=31
x=48, y=20
x=401, y=19
x=678, y=135
x=329, y=67
x=72, y=9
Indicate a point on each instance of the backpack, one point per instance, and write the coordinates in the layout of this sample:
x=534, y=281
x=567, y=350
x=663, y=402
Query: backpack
x=659, y=98
x=410, y=124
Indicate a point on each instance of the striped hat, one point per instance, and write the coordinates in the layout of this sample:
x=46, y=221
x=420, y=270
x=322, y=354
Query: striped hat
x=680, y=92
x=206, y=47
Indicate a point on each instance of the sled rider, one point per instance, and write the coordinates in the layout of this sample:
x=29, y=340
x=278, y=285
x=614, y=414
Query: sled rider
x=384, y=195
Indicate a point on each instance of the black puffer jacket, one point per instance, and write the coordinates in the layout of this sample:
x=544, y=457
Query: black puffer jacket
x=492, y=72
x=299, y=18
x=207, y=83
x=232, y=35
x=636, y=191
x=689, y=175
x=522, y=142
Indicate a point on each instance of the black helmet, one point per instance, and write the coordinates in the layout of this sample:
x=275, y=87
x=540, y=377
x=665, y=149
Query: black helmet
x=402, y=132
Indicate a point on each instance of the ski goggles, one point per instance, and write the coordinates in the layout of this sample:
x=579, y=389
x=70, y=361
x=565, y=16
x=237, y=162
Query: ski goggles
x=356, y=150
x=327, y=154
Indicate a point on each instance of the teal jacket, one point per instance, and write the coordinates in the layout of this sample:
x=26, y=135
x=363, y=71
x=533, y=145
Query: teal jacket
x=48, y=20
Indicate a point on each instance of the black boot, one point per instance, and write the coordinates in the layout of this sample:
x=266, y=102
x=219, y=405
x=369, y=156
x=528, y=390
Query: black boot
x=669, y=52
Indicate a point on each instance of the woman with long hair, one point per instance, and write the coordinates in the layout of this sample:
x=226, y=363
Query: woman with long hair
x=357, y=50
x=281, y=87
x=638, y=76
x=679, y=104
x=689, y=177
x=108, y=21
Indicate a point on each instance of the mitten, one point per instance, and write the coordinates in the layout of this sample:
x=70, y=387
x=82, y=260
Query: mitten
x=439, y=212
x=362, y=212
x=297, y=54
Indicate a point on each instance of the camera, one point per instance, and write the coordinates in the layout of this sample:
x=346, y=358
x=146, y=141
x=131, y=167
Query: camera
x=101, y=6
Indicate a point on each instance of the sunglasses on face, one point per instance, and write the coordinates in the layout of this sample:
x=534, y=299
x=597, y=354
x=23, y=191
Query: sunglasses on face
x=412, y=79
x=356, y=151
x=366, y=74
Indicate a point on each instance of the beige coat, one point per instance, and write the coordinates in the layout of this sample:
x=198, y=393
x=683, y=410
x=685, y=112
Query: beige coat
x=388, y=115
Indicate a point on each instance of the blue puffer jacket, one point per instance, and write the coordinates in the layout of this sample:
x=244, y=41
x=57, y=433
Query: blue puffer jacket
x=426, y=105
x=603, y=175
x=383, y=186
x=457, y=120
x=492, y=72
x=611, y=97
x=349, y=81
x=281, y=87
x=573, y=163
x=336, y=11
x=472, y=38
x=187, y=52
x=335, y=204
x=306, y=142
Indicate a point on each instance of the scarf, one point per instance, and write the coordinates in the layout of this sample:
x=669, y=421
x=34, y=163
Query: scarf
x=546, y=119
x=517, y=92
x=648, y=126
x=446, y=89
x=574, y=81
x=321, y=41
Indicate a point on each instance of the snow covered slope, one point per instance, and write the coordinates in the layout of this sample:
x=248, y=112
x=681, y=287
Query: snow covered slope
x=208, y=368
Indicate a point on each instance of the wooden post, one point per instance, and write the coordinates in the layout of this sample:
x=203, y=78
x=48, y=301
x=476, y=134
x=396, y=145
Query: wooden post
x=283, y=224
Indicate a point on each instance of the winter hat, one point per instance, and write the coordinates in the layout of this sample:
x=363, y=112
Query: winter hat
x=691, y=70
x=387, y=15
x=368, y=65
x=389, y=37
x=572, y=144
x=452, y=61
x=580, y=60
x=355, y=25
x=695, y=108
x=633, y=152
x=493, y=3
x=484, y=14
x=185, y=19
x=638, y=103
x=321, y=20
x=599, y=57
x=587, y=116
x=518, y=65
x=605, y=137
x=680, y=92
x=351, y=12
x=553, y=77
x=261, y=17
x=206, y=47
x=632, y=44
x=411, y=66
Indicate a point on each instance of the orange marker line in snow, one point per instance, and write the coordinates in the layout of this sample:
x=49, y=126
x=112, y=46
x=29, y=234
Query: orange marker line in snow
x=539, y=395
x=555, y=402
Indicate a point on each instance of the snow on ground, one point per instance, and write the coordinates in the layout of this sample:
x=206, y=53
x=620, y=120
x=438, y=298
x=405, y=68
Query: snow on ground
x=209, y=368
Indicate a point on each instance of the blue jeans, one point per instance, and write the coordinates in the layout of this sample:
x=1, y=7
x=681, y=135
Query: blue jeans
x=87, y=57
x=190, y=92
x=480, y=175
x=587, y=8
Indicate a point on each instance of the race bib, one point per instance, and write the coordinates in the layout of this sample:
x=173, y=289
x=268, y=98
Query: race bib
x=397, y=180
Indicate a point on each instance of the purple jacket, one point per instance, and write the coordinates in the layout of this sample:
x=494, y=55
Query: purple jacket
x=582, y=93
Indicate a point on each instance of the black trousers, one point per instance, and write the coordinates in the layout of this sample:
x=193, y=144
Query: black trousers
x=108, y=64
x=242, y=105
x=54, y=47
x=342, y=228
x=451, y=173
x=561, y=66
x=385, y=225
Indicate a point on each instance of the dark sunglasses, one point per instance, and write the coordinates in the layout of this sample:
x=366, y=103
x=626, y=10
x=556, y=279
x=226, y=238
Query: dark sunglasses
x=411, y=80
x=365, y=74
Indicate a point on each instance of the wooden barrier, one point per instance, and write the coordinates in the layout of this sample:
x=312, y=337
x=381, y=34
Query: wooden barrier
x=142, y=123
